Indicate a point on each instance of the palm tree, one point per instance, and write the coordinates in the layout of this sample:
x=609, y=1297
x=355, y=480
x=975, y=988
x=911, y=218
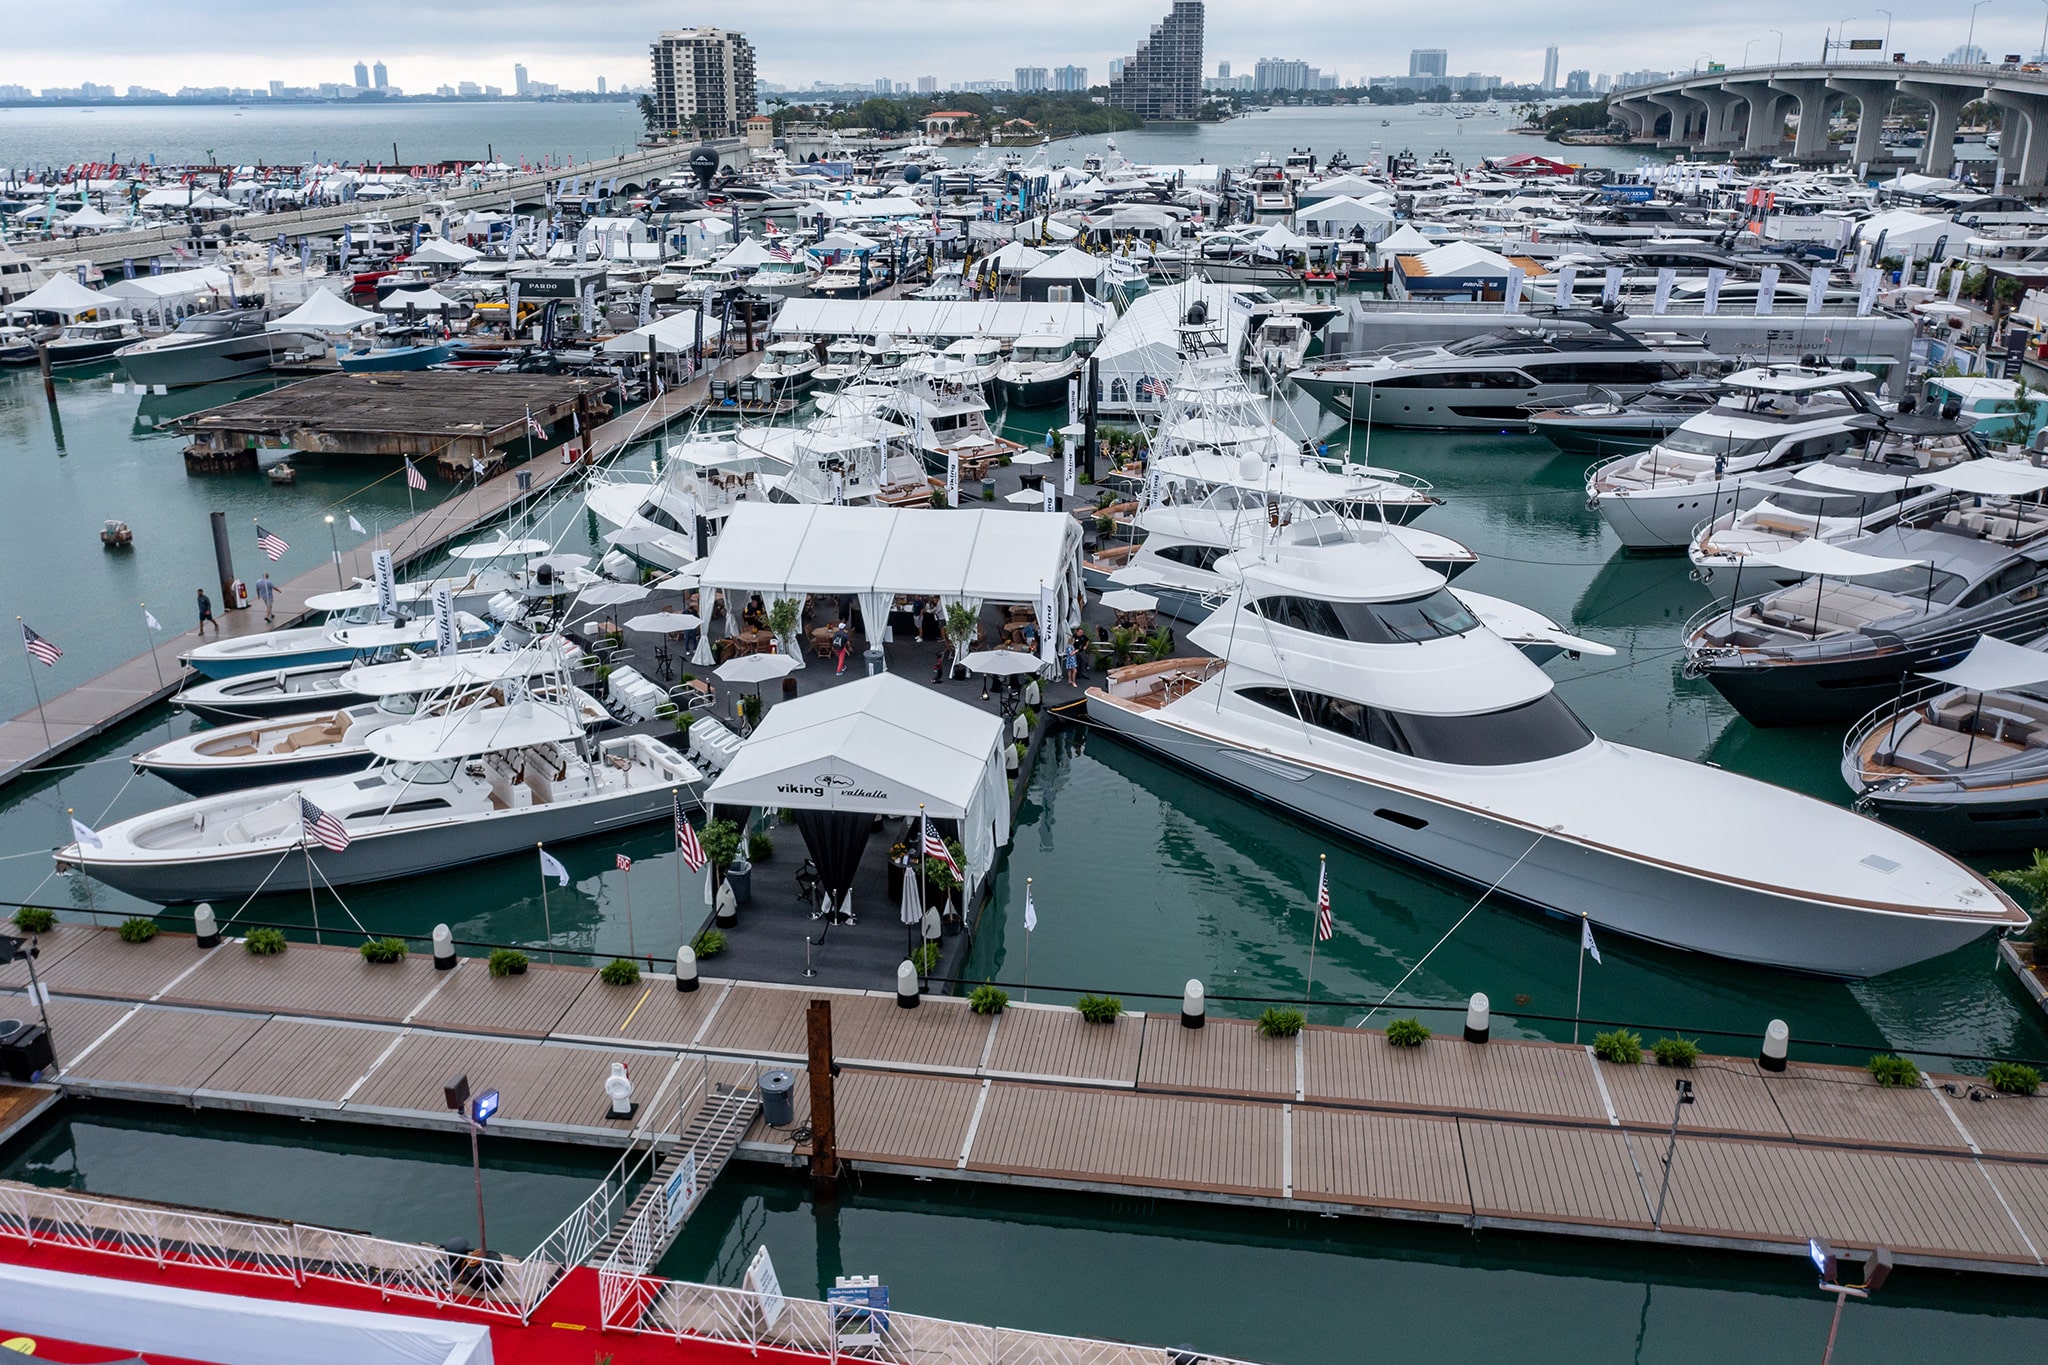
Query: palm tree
x=649, y=115
x=2032, y=884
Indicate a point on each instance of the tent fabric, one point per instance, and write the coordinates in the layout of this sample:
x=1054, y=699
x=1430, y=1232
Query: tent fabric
x=1406, y=239
x=324, y=312
x=59, y=294
x=1818, y=557
x=1336, y=217
x=440, y=252
x=1994, y=665
x=1459, y=260
x=1144, y=344
x=879, y=746
x=1069, y=264
x=835, y=840
x=1015, y=257
x=89, y=218
x=675, y=334
x=1989, y=478
x=931, y=318
x=426, y=300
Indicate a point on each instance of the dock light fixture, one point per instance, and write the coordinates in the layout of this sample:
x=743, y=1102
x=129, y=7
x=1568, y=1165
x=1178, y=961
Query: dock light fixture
x=456, y=1092
x=1876, y=1271
x=339, y=582
x=1193, y=1005
x=1777, y=1043
x=1685, y=1097
x=1478, y=1018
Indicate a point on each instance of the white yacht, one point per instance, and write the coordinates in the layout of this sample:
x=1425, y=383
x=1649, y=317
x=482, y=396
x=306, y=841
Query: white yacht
x=654, y=518
x=272, y=650
x=1772, y=419
x=969, y=363
x=948, y=417
x=215, y=346
x=1038, y=370
x=846, y=360
x=473, y=783
x=790, y=367
x=1353, y=688
x=83, y=343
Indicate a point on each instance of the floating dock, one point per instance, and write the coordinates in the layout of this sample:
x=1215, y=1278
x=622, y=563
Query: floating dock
x=1524, y=1135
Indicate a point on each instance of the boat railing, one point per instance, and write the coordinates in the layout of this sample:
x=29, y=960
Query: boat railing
x=1886, y=713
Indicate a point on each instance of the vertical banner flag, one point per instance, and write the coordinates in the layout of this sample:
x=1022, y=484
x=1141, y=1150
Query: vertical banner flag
x=1511, y=293
x=1817, y=291
x=1586, y=942
x=1665, y=278
x=1955, y=285
x=1866, y=297
x=1567, y=280
x=1051, y=493
x=1766, y=290
x=1030, y=908
x=1610, y=290
x=387, y=587
x=445, y=639
x=1067, y=473
x=1048, y=616
x=1712, y=304
x=952, y=478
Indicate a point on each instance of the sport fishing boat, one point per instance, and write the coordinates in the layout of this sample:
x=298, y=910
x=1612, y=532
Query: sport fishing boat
x=277, y=649
x=1839, y=499
x=213, y=346
x=477, y=782
x=257, y=696
x=1351, y=687
x=1772, y=420
x=969, y=363
x=1607, y=424
x=1487, y=382
x=1037, y=372
x=846, y=362
x=323, y=743
x=1911, y=599
x=789, y=367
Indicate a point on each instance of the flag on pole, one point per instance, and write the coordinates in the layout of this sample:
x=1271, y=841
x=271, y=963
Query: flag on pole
x=355, y=525
x=413, y=478
x=625, y=863
x=1323, y=926
x=149, y=619
x=271, y=543
x=1030, y=910
x=39, y=648
x=551, y=866
x=1586, y=938
x=84, y=834
x=935, y=847
x=686, y=840
x=477, y=467
x=322, y=827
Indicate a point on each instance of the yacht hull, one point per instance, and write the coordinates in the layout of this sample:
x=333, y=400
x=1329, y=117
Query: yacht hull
x=1823, y=693
x=209, y=779
x=376, y=856
x=231, y=701
x=1620, y=894
x=1034, y=393
x=1654, y=519
x=2014, y=817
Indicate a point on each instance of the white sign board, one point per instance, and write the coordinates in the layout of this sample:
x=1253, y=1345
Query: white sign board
x=681, y=1191
x=387, y=587
x=761, y=1280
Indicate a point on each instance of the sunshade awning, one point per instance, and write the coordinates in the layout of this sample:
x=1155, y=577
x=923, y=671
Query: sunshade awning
x=1819, y=557
x=1856, y=480
x=1990, y=478
x=1993, y=665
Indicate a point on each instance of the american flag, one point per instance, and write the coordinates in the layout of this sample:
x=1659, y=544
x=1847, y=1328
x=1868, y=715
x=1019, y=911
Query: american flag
x=779, y=251
x=935, y=847
x=686, y=840
x=625, y=863
x=271, y=543
x=413, y=478
x=540, y=433
x=1149, y=387
x=39, y=648
x=1323, y=926
x=322, y=827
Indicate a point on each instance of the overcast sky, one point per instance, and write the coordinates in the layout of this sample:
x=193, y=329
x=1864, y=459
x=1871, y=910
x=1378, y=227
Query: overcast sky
x=428, y=42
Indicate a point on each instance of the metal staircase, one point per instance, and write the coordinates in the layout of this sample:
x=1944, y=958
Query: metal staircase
x=714, y=1117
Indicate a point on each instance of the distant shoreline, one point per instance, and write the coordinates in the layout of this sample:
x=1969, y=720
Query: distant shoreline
x=315, y=102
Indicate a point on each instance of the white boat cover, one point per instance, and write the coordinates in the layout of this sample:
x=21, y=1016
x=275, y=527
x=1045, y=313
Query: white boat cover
x=1989, y=478
x=1856, y=480
x=1994, y=665
x=475, y=730
x=1811, y=556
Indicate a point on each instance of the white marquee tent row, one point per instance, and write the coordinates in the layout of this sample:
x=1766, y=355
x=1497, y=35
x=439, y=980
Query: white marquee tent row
x=971, y=556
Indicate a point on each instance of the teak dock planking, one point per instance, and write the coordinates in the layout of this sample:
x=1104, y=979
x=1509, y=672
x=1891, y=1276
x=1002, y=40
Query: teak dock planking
x=1513, y=1134
x=88, y=709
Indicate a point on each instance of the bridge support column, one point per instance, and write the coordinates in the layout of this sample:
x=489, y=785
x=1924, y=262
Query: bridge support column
x=1945, y=115
x=1722, y=108
x=1766, y=134
x=2023, y=141
x=1639, y=114
x=1685, y=112
x=1873, y=102
x=1814, y=99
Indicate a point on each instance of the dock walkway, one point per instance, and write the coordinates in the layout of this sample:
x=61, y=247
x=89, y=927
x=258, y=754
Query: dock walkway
x=1515, y=1134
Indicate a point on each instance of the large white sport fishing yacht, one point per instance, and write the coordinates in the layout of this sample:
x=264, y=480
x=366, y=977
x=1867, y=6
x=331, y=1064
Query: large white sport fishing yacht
x=1352, y=687
x=1773, y=419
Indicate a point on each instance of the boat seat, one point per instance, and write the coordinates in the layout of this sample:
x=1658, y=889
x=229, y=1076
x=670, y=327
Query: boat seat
x=234, y=751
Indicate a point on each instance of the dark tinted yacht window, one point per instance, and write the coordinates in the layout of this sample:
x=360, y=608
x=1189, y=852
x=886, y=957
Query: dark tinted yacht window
x=1430, y=617
x=1539, y=729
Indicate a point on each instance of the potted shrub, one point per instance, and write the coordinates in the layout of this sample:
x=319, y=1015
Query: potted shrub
x=750, y=709
x=602, y=680
x=139, y=929
x=2012, y=1078
x=899, y=866
x=265, y=942
x=760, y=847
x=1893, y=1072
x=925, y=958
x=2030, y=886
x=507, y=962
x=939, y=885
x=684, y=720
x=1280, y=1023
x=783, y=618
x=1099, y=1009
x=33, y=919
x=1676, y=1052
x=710, y=943
x=1407, y=1033
x=620, y=971
x=1123, y=642
x=383, y=950
x=988, y=999
x=961, y=624
x=720, y=840
x=1619, y=1046
x=1158, y=645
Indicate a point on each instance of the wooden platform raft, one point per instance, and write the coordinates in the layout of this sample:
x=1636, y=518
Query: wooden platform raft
x=447, y=417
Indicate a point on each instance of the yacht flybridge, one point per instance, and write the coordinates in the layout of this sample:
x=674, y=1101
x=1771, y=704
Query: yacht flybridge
x=1773, y=419
x=1352, y=687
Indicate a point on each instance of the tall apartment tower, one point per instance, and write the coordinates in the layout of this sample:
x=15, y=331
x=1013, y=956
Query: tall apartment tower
x=1164, y=79
x=518, y=78
x=362, y=76
x=1429, y=61
x=704, y=81
x=379, y=77
x=1550, y=68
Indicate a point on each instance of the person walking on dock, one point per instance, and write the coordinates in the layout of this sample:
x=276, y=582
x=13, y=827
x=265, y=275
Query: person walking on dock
x=267, y=592
x=206, y=614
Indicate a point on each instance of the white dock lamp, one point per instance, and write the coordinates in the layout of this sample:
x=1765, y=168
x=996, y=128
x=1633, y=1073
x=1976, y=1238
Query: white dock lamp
x=1876, y=1271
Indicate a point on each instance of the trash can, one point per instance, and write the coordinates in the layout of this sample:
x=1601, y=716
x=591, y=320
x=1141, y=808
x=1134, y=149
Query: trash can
x=777, y=1104
x=24, y=1049
x=740, y=877
x=873, y=658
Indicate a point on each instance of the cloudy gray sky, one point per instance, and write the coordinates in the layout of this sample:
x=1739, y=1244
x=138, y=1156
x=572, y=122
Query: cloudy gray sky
x=168, y=43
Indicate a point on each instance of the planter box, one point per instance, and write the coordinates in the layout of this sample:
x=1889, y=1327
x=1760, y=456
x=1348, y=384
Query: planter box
x=2019, y=957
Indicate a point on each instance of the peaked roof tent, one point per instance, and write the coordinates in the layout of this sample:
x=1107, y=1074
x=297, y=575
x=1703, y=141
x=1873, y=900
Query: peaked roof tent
x=323, y=312
x=59, y=294
x=928, y=318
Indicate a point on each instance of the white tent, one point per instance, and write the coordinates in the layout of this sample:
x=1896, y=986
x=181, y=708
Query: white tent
x=747, y=253
x=89, y=219
x=1405, y=239
x=61, y=294
x=441, y=252
x=1347, y=185
x=1140, y=353
x=1344, y=216
x=1911, y=235
x=675, y=334
x=879, y=746
x=1069, y=264
x=323, y=313
x=1462, y=260
x=183, y=197
x=1014, y=258
x=1280, y=239
x=424, y=300
x=929, y=319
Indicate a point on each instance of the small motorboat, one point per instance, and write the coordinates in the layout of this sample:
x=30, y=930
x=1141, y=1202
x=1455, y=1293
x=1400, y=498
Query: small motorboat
x=83, y=343
x=115, y=535
x=253, y=696
x=417, y=355
x=1607, y=424
x=282, y=474
x=319, y=644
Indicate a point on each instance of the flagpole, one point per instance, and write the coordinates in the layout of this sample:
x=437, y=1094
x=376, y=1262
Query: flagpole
x=547, y=924
x=151, y=638
x=1027, y=945
x=1579, y=997
x=38, y=689
x=1314, y=923
x=306, y=845
x=675, y=804
x=631, y=949
x=924, y=891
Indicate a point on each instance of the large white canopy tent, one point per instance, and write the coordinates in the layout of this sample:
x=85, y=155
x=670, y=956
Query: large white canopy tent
x=675, y=334
x=324, y=312
x=932, y=318
x=62, y=295
x=876, y=746
x=967, y=555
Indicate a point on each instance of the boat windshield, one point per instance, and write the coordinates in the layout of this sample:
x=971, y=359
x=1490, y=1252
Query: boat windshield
x=1535, y=730
x=426, y=774
x=1913, y=582
x=207, y=326
x=1429, y=617
x=1686, y=441
x=398, y=703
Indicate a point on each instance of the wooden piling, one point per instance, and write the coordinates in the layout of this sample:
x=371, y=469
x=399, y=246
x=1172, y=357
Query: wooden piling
x=824, y=1147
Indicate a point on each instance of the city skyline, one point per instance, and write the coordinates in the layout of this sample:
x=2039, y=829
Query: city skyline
x=806, y=40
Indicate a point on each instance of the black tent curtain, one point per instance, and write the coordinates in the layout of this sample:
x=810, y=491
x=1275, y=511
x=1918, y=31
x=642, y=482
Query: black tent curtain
x=835, y=840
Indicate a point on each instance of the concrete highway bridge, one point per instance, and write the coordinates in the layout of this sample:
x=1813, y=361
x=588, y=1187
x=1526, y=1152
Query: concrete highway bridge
x=1742, y=113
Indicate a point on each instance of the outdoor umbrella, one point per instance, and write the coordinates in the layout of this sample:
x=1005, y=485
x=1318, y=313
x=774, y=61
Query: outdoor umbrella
x=664, y=622
x=1129, y=599
x=913, y=905
x=1003, y=662
x=499, y=549
x=1031, y=457
x=1026, y=497
x=757, y=668
x=610, y=594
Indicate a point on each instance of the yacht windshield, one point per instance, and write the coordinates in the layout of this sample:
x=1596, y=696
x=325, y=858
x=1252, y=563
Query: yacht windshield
x=1686, y=441
x=1914, y=582
x=1430, y=617
x=1535, y=730
x=210, y=326
x=426, y=774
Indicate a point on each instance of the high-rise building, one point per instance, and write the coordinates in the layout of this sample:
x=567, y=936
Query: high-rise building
x=277, y=90
x=1223, y=71
x=927, y=85
x=1275, y=73
x=1550, y=68
x=1429, y=61
x=362, y=76
x=1071, y=80
x=379, y=78
x=1579, y=83
x=1602, y=83
x=468, y=89
x=600, y=85
x=1163, y=80
x=518, y=79
x=1116, y=67
x=704, y=81
x=1030, y=78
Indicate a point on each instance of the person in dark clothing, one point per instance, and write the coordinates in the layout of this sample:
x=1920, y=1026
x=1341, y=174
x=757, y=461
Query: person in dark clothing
x=206, y=614
x=839, y=646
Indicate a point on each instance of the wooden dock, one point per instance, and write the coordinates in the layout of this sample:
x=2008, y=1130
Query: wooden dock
x=1512, y=1134
x=88, y=709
